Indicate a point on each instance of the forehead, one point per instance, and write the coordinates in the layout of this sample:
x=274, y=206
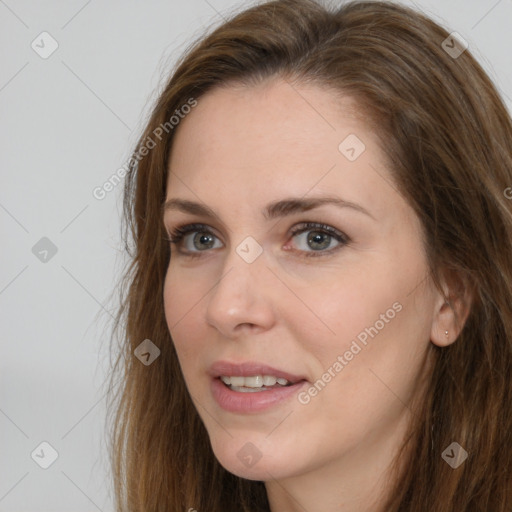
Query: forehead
x=274, y=139
x=267, y=120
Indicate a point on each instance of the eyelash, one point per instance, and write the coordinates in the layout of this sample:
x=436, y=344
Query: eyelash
x=178, y=233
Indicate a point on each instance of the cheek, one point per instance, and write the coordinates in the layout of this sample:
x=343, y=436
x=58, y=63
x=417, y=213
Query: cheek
x=372, y=320
x=341, y=309
x=183, y=289
x=181, y=303
x=377, y=356
x=360, y=388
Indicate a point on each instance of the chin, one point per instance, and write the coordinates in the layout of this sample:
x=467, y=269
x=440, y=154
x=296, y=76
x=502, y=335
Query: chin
x=244, y=459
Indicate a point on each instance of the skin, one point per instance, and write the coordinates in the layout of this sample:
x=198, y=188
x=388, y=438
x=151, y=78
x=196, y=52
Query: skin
x=238, y=150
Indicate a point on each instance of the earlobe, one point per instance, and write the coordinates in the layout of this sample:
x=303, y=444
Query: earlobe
x=444, y=331
x=451, y=312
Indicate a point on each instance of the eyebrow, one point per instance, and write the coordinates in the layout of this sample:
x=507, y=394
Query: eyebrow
x=273, y=210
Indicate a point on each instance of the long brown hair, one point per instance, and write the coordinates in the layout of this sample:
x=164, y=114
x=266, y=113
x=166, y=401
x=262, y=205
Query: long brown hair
x=448, y=136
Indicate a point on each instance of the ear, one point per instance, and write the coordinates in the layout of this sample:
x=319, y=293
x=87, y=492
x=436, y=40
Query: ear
x=451, y=308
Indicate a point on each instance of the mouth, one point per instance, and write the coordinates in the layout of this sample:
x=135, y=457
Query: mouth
x=250, y=371
x=256, y=383
x=252, y=387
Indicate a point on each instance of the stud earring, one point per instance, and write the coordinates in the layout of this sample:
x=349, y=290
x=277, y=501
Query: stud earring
x=446, y=333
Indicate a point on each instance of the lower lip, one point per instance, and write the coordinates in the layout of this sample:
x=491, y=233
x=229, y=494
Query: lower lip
x=236, y=401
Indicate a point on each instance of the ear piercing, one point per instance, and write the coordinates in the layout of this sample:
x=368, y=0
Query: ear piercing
x=446, y=333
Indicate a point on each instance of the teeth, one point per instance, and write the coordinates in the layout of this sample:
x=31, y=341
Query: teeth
x=256, y=381
x=268, y=380
x=226, y=380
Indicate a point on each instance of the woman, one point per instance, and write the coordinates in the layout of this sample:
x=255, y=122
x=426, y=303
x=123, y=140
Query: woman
x=321, y=284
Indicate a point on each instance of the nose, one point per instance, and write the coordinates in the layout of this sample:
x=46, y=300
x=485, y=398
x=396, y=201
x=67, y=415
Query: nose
x=242, y=299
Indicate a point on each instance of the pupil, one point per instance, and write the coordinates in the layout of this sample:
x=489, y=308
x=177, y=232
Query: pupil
x=204, y=239
x=316, y=238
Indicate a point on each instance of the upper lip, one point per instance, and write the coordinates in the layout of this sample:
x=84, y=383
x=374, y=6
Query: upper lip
x=250, y=368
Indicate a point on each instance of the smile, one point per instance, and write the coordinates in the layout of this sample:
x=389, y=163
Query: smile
x=254, y=383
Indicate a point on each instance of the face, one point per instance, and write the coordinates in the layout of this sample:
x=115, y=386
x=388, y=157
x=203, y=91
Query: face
x=342, y=305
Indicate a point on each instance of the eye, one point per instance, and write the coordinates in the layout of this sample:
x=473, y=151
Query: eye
x=319, y=238
x=203, y=238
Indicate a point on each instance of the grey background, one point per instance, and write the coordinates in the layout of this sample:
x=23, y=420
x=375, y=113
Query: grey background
x=68, y=123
